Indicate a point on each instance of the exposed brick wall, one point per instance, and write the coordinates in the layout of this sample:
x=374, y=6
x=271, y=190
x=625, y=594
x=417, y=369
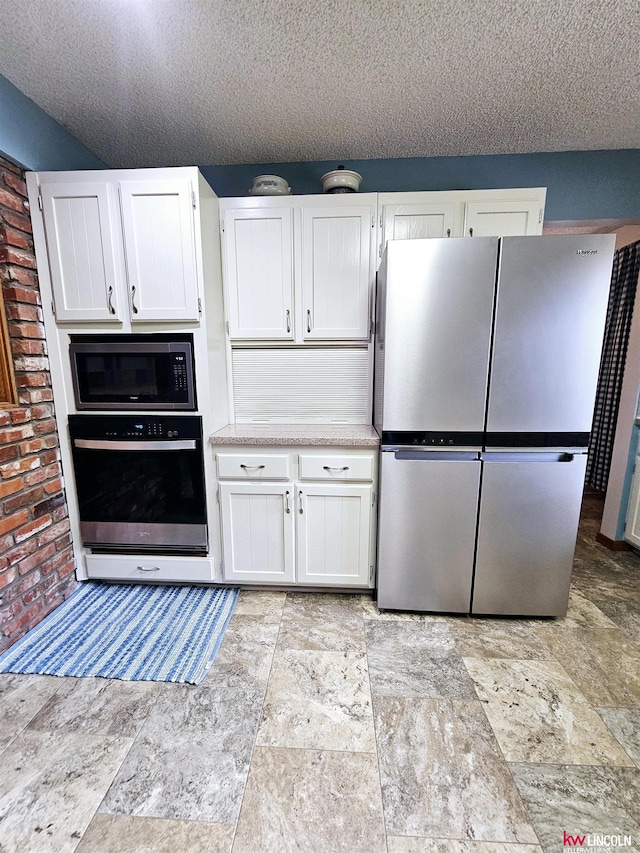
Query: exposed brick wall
x=36, y=556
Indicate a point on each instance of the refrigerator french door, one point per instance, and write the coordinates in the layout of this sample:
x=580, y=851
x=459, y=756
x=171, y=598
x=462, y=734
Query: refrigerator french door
x=487, y=356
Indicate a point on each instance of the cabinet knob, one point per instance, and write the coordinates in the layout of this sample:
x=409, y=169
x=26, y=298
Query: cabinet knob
x=470, y=232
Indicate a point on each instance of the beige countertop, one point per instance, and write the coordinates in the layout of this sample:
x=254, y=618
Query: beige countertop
x=331, y=435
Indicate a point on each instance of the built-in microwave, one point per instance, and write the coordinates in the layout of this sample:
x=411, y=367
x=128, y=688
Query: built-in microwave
x=122, y=372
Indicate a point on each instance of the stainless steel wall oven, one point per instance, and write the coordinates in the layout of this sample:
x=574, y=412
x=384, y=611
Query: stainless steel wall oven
x=124, y=372
x=140, y=482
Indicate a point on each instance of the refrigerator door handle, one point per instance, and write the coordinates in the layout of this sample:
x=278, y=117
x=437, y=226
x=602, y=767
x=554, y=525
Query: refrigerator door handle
x=527, y=456
x=437, y=455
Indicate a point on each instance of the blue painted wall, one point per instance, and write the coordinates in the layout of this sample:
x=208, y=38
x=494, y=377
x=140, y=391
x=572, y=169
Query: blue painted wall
x=580, y=184
x=31, y=138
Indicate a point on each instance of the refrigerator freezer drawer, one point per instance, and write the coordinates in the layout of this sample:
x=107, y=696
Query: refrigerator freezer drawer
x=426, y=532
x=527, y=529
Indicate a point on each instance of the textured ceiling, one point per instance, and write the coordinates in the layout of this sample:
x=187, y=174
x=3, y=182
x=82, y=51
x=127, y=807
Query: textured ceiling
x=171, y=82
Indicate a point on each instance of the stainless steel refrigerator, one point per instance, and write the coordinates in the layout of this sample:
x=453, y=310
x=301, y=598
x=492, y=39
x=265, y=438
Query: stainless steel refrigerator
x=487, y=357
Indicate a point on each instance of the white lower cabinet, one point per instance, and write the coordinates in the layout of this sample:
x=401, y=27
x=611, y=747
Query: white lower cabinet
x=152, y=568
x=333, y=528
x=299, y=532
x=257, y=532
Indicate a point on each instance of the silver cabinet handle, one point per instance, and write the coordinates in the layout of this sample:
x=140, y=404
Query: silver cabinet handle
x=448, y=232
x=251, y=467
x=329, y=468
x=288, y=321
x=300, y=498
x=133, y=299
x=470, y=232
x=112, y=310
x=287, y=508
x=308, y=320
x=148, y=568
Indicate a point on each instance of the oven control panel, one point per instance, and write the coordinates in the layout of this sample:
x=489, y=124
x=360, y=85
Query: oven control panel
x=127, y=427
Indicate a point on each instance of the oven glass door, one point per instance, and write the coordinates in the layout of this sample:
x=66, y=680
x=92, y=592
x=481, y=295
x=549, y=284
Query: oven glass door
x=141, y=495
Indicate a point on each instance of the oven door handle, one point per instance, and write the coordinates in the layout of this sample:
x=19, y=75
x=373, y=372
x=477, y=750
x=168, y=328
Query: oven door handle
x=94, y=444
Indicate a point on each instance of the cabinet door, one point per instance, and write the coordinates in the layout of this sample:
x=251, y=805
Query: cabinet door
x=258, y=252
x=632, y=526
x=333, y=534
x=336, y=271
x=159, y=240
x=417, y=221
x=502, y=218
x=81, y=222
x=257, y=532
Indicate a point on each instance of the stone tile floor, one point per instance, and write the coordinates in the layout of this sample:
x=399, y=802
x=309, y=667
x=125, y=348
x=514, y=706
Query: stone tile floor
x=325, y=725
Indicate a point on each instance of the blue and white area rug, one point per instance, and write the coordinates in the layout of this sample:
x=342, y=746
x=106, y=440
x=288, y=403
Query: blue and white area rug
x=134, y=633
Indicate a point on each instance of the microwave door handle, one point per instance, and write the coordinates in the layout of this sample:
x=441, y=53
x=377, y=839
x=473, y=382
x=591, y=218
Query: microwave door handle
x=99, y=444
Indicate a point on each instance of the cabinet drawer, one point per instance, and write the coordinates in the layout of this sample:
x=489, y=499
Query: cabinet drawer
x=252, y=466
x=339, y=467
x=152, y=568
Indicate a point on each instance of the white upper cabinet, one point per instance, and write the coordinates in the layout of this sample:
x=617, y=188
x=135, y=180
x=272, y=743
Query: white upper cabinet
x=415, y=220
x=87, y=274
x=468, y=213
x=336, y=271
x=159, y=245
x=502, y=219
x=259, y=273
x=121, y=251
x=300, y=268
